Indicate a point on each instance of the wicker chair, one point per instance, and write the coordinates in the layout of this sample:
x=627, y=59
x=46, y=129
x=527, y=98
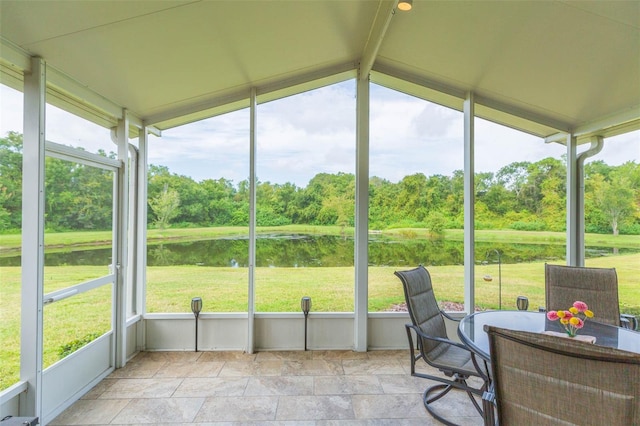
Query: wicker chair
x=453, y=359
x=547, y=380
x=597, y=287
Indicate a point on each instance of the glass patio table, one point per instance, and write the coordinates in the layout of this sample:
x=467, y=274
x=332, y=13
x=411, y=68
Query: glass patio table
x=472, y=334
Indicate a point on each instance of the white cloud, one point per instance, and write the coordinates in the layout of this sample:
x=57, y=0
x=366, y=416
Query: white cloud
x=314, y=132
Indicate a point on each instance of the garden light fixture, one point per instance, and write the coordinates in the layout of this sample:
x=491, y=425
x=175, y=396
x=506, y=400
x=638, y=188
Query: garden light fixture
x=305, y=305
x=196, y=307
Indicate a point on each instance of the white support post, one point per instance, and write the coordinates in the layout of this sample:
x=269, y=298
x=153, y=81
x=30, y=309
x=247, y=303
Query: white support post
x=469, y=204
x=33, y=169
x=120, y=243
x=132, y=234
x=141, y=235
x=361, y=255
x=573, y=248
x=251, y=307
x=575, y=194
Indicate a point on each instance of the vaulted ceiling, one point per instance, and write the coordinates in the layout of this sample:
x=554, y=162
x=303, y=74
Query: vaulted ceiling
x=545, y=67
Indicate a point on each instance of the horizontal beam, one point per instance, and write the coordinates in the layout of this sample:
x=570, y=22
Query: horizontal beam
x=480, y=99
x=522, y=113
x=69, y=87
x=385, y=68
x=69, y=153
x=14, y=56
x=239, y=98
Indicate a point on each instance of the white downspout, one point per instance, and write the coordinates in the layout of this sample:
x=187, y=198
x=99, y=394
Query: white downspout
x=597, y=142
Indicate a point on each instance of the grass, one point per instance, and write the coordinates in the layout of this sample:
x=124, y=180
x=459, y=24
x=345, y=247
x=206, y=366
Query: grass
x=171, y=288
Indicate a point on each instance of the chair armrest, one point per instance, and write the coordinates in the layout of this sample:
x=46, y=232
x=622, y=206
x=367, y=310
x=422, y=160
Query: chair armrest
x=436, y=339
x=449, y=317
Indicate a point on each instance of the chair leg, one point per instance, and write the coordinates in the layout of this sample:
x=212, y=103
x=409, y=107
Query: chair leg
x=442, y=390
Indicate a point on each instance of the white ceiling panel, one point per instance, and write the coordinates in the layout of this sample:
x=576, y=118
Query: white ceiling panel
x=561, y=64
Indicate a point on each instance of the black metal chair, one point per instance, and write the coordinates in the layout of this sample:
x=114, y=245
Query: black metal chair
x=453, y=359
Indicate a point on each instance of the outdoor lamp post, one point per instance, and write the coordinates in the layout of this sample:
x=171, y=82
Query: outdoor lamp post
x=499, y=277
x=305, y=305
x=196, y=307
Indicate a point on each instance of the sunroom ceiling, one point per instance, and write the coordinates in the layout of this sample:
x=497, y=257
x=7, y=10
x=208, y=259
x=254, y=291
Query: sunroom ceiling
x=543, y=67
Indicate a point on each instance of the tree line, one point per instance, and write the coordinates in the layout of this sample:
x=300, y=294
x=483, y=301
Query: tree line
x=522, y=196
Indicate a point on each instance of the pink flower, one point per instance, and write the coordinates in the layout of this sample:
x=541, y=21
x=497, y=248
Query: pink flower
x=572, y=319
x=580, y=306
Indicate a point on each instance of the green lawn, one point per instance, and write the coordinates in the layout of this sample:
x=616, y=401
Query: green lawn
x=171, y=288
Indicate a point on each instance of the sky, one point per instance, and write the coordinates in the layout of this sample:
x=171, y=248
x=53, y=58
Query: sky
x=314, y=132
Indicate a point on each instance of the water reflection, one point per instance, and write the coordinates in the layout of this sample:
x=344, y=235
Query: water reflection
x=316, y=251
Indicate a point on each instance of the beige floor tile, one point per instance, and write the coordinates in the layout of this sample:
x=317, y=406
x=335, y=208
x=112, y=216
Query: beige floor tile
x=288, y=388
x=313, y=367
x=279, y=385
x=372, y=366
x=139, y=369
x=254, y=368
x=389, y=354
x=90, y=412
x=427, y=421
x=226, y=356
x=402, y=383
x=257, y=408
x=346, y=385
x=141, y=388
x=172, y=356
x=334, y=407
x=159, y=410
x=216, y=386
x=397, y=406
x=190, y=369
x=284, y=355
x=100, y=388
x=339, y=355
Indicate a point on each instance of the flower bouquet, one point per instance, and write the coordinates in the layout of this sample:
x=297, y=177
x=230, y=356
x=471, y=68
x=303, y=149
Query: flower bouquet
x=573, y=319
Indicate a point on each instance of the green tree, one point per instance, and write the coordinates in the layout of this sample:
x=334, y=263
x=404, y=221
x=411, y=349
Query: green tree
x=616, y=200
x=411, y=197
x=382, y=203
x=165, y=206
x=436, y=223
x=11, y=182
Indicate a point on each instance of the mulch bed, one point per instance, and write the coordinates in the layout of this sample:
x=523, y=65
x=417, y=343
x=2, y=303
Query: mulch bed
x=445, y=306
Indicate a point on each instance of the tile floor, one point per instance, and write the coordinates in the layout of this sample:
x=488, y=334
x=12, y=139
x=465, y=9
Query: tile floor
x=267, y=388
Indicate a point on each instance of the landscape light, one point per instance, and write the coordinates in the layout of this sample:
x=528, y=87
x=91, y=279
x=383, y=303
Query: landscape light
x=305, y=305
x=196, y=307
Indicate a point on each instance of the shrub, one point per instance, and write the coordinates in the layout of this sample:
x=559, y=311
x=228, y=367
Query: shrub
x=74, y=345
x=436, y=223
x=529, y=226
x=633, y=229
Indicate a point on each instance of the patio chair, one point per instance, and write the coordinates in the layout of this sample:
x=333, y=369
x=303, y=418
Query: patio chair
x=453, y=359
x=541, y=379
x=597, y=287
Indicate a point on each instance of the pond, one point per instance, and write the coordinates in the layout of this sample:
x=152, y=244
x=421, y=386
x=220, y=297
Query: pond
x=297, y=250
